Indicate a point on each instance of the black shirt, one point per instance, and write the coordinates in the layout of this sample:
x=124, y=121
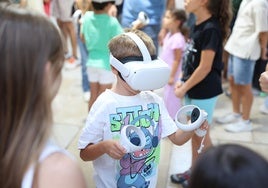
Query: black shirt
x=204, y=36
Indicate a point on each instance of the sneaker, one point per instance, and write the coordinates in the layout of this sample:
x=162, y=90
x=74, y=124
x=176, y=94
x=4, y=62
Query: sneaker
x=180, y=178
x=86, y=96
x=263, y=109
x=185, y=184
x=228, y=93
x=229, y=118
x=240, y=126
x=71, y=63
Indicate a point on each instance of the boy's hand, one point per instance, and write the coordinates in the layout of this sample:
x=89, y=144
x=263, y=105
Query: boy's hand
x=114, y=149
x=204, y=125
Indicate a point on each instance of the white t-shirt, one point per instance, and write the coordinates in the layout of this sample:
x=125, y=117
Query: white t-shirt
x=108, y=115
x=49, y=149
x=252, y=19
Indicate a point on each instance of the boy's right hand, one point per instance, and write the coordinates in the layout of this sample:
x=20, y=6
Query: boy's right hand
x=114, y=149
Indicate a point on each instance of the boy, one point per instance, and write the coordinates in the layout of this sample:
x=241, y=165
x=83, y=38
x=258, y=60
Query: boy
x=122, y=105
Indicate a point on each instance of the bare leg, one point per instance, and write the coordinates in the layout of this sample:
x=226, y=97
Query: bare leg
x=196, y=141
x=103, y=87
x=64, y=33
x=235, y=96
x=94, y=93
x=71, y=32
x=246, y=99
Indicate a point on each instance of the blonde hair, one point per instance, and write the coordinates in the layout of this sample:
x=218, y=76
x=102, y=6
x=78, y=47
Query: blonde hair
x=123, y=46
x=29, y=42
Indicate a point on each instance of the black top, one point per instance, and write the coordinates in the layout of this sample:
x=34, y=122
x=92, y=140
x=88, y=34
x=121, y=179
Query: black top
x=206, y=35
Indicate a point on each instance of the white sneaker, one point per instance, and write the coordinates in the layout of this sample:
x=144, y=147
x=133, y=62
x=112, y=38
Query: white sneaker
x=240, y=126
x=229, y=118
x=263, y=109
x=86, y=96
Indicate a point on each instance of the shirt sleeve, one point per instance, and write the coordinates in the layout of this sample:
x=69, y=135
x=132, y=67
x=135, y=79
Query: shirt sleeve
x=261, y=16
x=93, y=132
x=178, y=42
x=211, y=39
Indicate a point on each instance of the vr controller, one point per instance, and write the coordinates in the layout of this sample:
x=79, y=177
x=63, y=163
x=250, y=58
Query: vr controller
x=197, y=117
x=132, y=138
x=142, y=75
x=142, y=18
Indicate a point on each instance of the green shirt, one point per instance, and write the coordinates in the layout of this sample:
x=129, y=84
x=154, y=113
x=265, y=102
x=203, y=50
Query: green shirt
x=98, y=30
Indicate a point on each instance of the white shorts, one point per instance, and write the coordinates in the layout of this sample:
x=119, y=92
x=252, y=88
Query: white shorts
x=99, y=75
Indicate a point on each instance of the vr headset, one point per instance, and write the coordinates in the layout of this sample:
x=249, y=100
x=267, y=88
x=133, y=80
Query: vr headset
x=145, y=74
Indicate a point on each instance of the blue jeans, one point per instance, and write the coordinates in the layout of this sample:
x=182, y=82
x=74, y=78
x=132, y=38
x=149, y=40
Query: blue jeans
x=152, y=31
x=84, y=55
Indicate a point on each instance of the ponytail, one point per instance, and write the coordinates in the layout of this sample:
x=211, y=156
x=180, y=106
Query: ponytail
x=221, y=9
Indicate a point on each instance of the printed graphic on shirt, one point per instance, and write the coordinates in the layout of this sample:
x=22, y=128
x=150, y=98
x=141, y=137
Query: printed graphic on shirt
x=137, y=168
x=188, y=60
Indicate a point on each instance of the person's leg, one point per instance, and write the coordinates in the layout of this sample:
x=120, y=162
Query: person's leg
x=94, y=85
x=243, y=84
x=84, y=56
x=196, y=142
x=208, y=105
x=243, y=74
x=107, y=79
x=94, y=93
x=65, y=10
x=71, y=33
x=235, y=96
x=100, y=80
x=235, y=115
x=64, y=33
x=246, y=100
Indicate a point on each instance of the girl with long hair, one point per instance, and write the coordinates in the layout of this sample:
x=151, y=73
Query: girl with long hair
x=202, y=66
x=32, y=57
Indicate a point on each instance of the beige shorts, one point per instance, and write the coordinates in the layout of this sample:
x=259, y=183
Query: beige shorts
x=62, y=10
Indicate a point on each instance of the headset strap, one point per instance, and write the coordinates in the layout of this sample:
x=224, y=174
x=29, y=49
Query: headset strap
x=142, y=47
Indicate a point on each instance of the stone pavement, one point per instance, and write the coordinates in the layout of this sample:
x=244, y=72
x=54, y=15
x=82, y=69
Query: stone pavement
x=70, y=111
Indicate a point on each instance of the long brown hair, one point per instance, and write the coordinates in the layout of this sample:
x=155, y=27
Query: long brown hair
x=28, y=43
x=221, y=9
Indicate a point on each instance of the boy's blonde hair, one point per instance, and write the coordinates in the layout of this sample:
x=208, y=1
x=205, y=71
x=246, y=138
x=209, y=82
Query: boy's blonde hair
x=123, y=46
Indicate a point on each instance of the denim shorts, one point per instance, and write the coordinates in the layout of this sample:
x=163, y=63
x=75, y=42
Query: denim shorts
x=208, y=105
x=241, y=70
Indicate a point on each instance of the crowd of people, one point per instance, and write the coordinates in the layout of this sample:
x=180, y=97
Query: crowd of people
x=193, y=40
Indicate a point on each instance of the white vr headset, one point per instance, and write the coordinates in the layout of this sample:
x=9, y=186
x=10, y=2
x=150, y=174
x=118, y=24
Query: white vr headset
x=142, y=75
